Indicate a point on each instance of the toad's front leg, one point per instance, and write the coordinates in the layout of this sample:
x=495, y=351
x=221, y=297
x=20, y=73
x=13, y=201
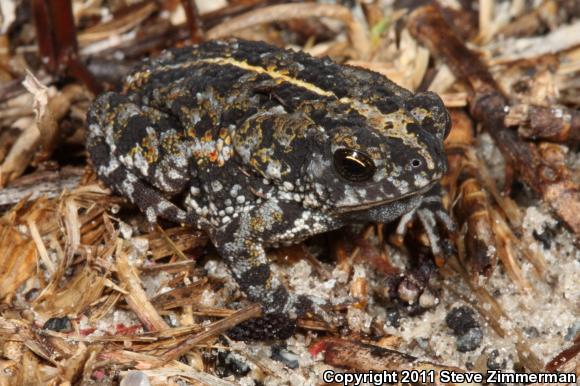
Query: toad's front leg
x=240, y=243
x=430, y=213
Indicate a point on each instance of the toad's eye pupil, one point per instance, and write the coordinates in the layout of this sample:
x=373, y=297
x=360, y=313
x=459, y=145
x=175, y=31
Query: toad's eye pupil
x=354, y=165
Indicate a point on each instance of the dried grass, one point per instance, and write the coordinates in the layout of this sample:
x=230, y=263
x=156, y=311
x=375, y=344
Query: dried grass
x=134, y=302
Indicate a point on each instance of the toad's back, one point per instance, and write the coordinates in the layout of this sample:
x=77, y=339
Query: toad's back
x=237, y=57
x=213, y=89
x=217, y=85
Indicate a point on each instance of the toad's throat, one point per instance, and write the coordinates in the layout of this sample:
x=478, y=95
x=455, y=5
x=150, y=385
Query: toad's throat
x=374, y=204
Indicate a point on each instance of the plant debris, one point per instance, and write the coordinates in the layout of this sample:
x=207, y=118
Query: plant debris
x=91, y=293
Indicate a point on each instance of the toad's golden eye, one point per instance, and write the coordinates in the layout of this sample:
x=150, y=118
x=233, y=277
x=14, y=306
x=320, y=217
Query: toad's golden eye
x=354, y=165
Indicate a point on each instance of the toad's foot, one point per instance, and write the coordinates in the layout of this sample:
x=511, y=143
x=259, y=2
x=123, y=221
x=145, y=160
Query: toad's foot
x=431, y=213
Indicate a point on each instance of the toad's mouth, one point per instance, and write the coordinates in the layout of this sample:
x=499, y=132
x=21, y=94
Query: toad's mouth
x=374, y=204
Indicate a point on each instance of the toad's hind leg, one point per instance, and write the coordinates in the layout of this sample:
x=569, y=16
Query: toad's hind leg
x=129, y=146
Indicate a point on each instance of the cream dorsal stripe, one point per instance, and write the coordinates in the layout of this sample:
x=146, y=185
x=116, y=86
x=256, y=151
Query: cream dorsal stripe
x=272, y=73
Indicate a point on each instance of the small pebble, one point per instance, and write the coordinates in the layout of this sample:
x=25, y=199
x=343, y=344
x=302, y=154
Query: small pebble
x=408, y=291
x=470, y=340
x=531, y=332
x=428, y=300
x=573, y=331
x=135, y=378
x=58, y=324
x=393, y=317
x=228, y=364
x=461, y=320
x=545, y=237
x=285, y=356
x=495, y=361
